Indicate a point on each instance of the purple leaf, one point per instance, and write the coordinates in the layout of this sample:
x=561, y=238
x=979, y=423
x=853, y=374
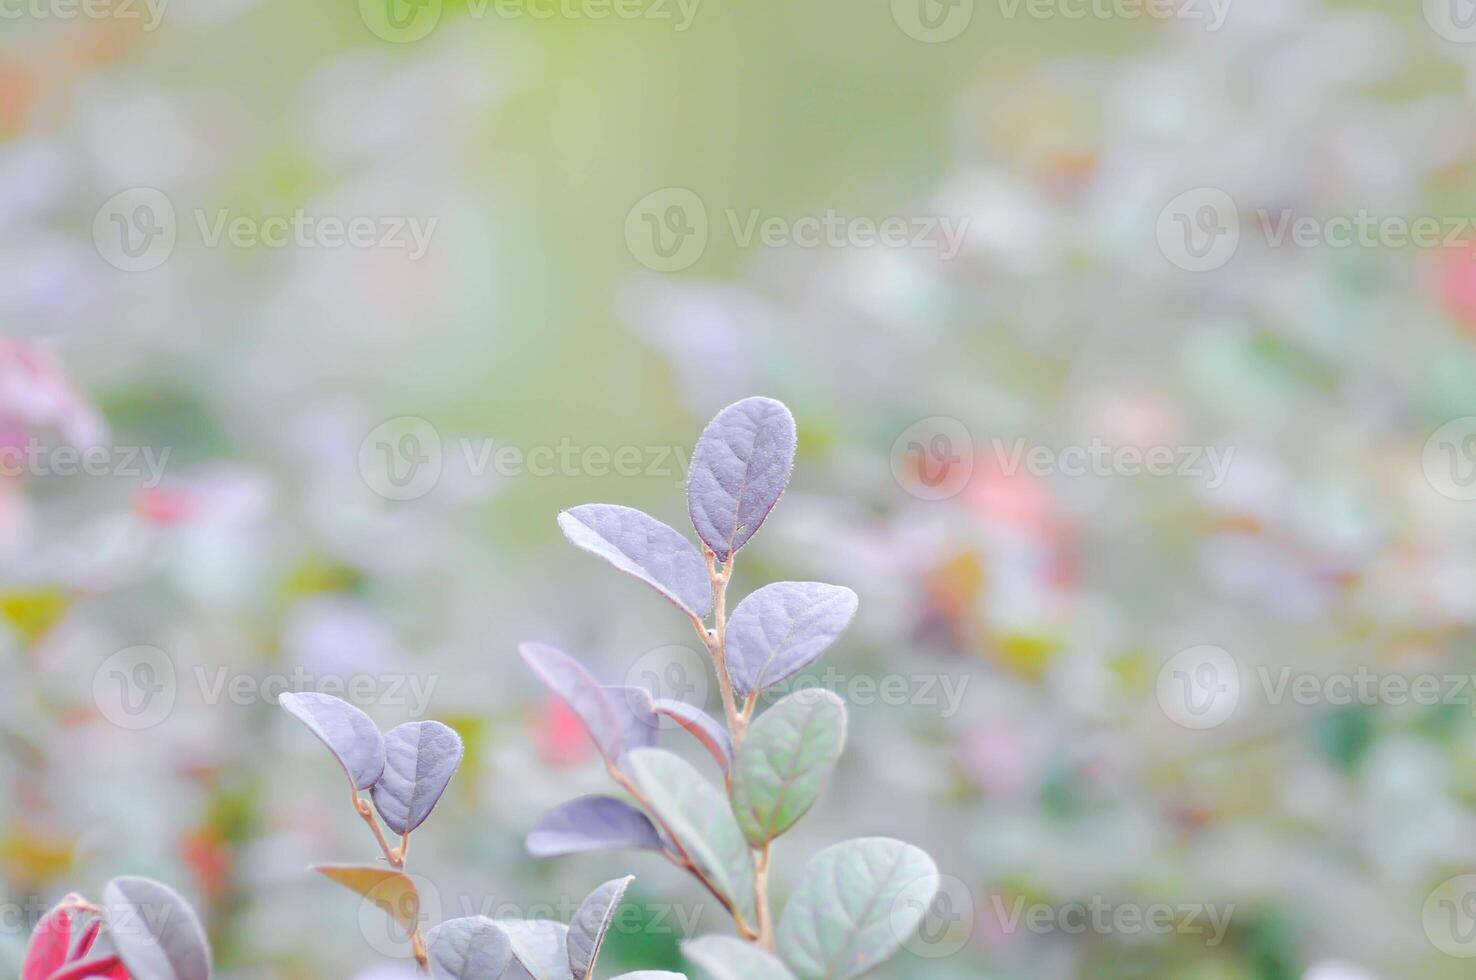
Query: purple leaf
x=350, y=735
x=569, y=679
x=592, y=823
x=781, y=628
x=640, y=545
x=155, y=931
x=591, y=922
x=471, y=948
x=420, y=759
x=541, y=947
x=702, y=725
x=739, y=471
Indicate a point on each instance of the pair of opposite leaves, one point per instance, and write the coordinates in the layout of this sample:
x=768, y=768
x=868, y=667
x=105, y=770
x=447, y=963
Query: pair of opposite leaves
x=405, y=770
x=153, y=933
x=739, y=471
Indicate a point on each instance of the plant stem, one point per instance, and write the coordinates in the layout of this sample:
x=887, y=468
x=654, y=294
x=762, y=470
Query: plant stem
x=761, y=898
x=717, y=643
x=422, y=955
x=362, y=807
x=738, y=718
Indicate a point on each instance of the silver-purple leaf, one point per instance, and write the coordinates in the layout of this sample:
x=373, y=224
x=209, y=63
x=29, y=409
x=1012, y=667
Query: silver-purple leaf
x=713, y=736
x=420, y=757
x=470, y=948
x=591, y=922
x=782, y=628
x=350, y=735
x=584, y=695
x=640, y=545
x=540, y=946
x=739, y=471
x=157, y=934
x=592, y=823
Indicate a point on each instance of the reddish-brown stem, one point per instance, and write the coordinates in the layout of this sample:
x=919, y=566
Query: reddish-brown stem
x=364, y=810
x=717, y=642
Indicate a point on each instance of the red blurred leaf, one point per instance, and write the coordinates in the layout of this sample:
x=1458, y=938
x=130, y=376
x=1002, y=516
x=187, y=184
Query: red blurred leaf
x=85, y=940
x=50, y=944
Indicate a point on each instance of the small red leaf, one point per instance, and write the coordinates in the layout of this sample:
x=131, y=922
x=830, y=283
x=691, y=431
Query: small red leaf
x=50, y=944
x=86, y=938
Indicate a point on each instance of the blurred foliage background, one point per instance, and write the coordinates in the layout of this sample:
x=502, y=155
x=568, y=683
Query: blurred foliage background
x=1331, y=838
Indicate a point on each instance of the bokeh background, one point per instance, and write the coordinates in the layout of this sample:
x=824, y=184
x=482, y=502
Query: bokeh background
x=360, y=449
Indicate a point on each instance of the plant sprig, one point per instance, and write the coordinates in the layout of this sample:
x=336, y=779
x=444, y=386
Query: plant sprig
x=775, y=764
